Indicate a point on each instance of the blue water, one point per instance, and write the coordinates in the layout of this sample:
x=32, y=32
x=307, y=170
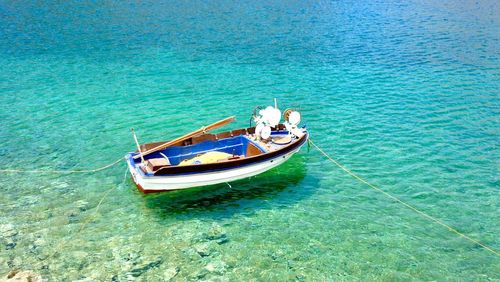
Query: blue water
x=405, y=94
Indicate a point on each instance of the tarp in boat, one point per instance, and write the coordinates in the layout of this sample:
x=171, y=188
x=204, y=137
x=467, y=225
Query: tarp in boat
x=206, y=158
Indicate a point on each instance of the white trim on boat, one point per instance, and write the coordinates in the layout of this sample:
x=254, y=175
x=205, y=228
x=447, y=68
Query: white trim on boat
x=175, y=182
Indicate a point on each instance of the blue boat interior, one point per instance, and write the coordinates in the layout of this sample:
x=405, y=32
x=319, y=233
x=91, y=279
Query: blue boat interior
x=237, y=145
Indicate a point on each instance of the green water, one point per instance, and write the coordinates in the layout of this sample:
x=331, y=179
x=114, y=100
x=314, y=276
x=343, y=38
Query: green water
x=406, y=94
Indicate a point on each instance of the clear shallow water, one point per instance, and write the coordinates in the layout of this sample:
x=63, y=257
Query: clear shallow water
x=405, y=94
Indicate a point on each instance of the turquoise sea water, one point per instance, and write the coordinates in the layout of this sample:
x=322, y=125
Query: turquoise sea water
x=406, y=94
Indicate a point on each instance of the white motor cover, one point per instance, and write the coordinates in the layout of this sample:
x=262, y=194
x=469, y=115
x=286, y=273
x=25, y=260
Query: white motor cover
x=271, y=116
x=265, y=133
x=275, y=117
x=294, y=118
x=258, y=129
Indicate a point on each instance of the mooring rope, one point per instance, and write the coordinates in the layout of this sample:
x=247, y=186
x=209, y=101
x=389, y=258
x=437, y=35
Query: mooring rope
x=92, y=216
x=102, y=199
x=64, y=171
x=423, y=214
x=64, y=243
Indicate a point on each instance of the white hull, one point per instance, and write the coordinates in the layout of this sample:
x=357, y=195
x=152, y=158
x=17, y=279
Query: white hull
x=149, y=184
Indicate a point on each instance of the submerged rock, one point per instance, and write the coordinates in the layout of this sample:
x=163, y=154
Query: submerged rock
x=8, y=236
x=75, y=212
x=72, y=215
x=132, y=257
x=222, y=240
x=7, y=231
x=300, y=277
x=217, y=234
x=22, y=276
x=10, y=244
x=170, y=273
x=39, y=241
x=14, y=262
x=82, y=205
x=216, y=267
x=141, y=269
x=203, y=249
x=191, y=254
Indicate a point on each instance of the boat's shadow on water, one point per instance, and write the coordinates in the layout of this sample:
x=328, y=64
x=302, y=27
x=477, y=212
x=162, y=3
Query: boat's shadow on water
x=274, y=188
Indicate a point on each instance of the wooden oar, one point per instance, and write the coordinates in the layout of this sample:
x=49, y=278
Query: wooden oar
x=187, y=136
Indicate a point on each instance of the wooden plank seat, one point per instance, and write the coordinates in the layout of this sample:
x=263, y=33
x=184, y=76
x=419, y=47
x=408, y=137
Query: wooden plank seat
x=157, y=163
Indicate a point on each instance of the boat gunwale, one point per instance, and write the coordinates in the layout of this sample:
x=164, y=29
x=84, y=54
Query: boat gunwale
x=221, y=166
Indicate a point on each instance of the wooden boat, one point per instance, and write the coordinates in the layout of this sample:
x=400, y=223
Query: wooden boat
x=201, y=158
